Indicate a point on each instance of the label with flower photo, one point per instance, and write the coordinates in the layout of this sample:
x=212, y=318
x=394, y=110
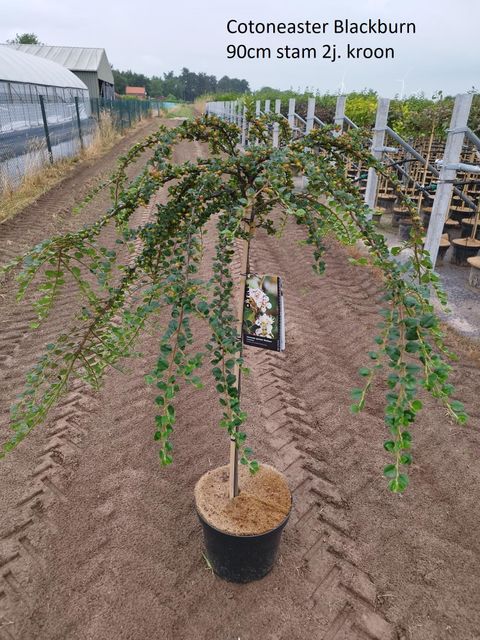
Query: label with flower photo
x=263, y=316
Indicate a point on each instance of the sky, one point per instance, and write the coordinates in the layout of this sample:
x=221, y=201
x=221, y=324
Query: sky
x=153, y=37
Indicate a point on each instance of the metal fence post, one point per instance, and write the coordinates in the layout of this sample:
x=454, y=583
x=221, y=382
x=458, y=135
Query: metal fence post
x=310, y=114
x=378, y=141
x=276, y=126
x=78, y=122
x=453, y=149
x=340, y=113
x=45, y=128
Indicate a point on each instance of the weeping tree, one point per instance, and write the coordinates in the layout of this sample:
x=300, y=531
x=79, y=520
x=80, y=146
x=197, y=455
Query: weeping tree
x=154, y=271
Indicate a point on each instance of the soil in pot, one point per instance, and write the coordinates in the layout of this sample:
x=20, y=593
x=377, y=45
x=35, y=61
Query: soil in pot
x=242, y=535
x=464, y=248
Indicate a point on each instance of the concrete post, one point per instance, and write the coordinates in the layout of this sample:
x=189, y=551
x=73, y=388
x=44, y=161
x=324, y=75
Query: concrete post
x=244, y=127
x=378, y=142
x=267, y=106
x=340, y=113
x=453, y=149
x=310, y=114
x=258, y=108
x=291, y=113
x=276, y=126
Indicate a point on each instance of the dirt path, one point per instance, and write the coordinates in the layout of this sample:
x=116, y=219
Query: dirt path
x=97, y=542
x=51, y=213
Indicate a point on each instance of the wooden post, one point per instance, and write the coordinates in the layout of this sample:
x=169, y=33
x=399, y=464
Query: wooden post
x=310, y=114
x=276, y=126
x=244, y=268
x=378, y=142
x=443, y=195
x=425, y=168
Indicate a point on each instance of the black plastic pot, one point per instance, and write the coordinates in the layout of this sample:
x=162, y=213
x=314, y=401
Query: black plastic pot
x=456, y=213
x=241, y=558
x=467, y=227
x=398, y=215
x=442, y=250
x=405, y=229
x=426, y=213
x=461, y=253
x=386, y=202
x=452, y=227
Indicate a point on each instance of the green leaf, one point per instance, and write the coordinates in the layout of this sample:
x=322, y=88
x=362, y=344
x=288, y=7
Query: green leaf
x=356, y=394
x=412, y=347
x=390, y=471
x=406, y=458
x=399, y=484
x=428, y=320
x=254, y=466
x=410, y=301
x=457, y=406
x=389, y=445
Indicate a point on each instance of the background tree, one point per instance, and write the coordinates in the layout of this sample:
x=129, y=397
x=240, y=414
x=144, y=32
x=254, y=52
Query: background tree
x=25, y=38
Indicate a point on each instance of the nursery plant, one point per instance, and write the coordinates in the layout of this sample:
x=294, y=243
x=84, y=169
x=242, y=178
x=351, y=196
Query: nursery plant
x=154, y=270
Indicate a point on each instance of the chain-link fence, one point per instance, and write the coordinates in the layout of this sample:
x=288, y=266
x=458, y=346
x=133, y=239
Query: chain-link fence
x=46, y=129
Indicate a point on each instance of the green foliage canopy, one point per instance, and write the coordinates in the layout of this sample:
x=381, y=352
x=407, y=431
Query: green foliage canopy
x=129, y=289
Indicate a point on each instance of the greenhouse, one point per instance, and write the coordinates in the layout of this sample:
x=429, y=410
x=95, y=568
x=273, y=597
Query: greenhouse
x=23, y=77
x=41, y=105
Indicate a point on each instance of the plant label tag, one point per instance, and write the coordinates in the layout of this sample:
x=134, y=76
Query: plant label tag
x=263, y=312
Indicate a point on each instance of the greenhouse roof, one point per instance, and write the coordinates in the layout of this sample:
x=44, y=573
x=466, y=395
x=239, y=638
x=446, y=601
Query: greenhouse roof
x=74, y=58
x=17, y=66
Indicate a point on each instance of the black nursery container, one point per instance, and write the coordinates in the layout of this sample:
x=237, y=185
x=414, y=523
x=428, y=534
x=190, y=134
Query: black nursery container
x=241, y=558
x=463, y=249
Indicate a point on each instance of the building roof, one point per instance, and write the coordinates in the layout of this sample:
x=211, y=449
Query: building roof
x=74, y=58
x=16, y=66
x=135, y=90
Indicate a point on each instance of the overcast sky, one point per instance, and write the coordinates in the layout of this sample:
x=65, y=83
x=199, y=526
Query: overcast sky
x=153, y=37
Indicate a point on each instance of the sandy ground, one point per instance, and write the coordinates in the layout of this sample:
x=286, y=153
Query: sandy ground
x=98, y=542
